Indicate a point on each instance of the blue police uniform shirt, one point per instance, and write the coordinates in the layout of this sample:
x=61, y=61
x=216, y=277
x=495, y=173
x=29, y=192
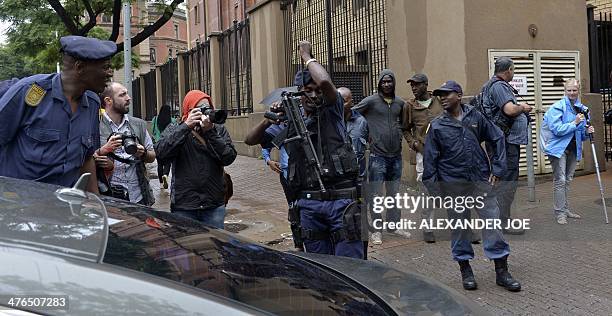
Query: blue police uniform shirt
x=500, y=94
x=46, y=142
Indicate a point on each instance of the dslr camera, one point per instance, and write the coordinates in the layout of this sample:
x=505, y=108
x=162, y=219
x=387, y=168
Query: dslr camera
x=130, y=142
x=215, y=116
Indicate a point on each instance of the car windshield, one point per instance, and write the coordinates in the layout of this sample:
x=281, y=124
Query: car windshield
x=187, y=252
x=55, y=223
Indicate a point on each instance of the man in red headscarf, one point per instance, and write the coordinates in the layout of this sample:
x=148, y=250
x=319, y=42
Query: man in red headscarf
x=198, y=150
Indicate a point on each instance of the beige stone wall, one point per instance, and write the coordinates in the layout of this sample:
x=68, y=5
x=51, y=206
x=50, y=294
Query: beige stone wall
x=561, y=24
x=267, y=51
x=450, y=39
x=426, y=36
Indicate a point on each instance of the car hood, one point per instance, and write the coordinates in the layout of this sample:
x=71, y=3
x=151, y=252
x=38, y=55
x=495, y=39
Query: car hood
x=405, y=292
x=34, y=216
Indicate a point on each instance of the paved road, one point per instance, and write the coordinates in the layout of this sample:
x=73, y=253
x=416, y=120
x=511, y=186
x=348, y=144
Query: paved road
x=563, y=269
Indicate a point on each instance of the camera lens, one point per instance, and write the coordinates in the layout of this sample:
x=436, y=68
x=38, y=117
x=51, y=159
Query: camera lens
x=129, y=145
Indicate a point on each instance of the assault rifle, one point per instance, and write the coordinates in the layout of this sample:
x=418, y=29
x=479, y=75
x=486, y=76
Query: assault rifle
x=296, y=125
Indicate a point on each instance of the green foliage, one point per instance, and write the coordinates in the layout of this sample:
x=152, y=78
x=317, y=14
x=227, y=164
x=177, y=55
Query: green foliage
x=32, y=46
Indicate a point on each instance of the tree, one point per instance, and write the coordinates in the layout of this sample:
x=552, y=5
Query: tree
x=94, y=8
x=32, y=40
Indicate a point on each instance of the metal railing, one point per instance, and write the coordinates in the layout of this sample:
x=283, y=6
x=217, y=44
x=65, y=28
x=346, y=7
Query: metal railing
x=600, y=53
x=136, y=103
x=150, y=96
x=349, y=38
x=169, y=84
x=197, y=68
x=235, y=52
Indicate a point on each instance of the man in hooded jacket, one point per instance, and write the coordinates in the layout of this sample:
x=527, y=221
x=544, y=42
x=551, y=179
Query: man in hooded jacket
x=383, y=111
x=198, y=150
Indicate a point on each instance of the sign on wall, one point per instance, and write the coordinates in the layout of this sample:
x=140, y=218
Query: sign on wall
x=520, y=84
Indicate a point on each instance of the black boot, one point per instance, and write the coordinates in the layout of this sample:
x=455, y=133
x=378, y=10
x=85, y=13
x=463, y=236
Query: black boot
x=503, y=277
x=467, y=276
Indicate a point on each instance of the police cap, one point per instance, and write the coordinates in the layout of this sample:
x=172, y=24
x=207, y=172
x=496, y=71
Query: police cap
x=302, y=78
x=87, y=48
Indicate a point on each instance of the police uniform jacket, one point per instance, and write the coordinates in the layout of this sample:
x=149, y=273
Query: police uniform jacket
x=40, y=138
x=453, y=151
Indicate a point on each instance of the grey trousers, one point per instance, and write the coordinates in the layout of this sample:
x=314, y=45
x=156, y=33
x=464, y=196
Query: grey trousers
x=563, y=173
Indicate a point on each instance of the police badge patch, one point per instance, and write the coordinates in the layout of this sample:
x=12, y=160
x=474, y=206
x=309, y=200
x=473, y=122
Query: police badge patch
x=34, y=95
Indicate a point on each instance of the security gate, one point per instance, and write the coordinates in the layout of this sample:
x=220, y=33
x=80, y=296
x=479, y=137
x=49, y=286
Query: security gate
x=546, y=72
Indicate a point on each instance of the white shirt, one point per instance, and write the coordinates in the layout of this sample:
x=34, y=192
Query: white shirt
x=125, y=174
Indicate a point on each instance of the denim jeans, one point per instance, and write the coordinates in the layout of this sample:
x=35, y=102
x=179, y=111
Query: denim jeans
x=506, y=188
x=494, y=244
x=563, y=173
x=385, y=171
x=212, y=217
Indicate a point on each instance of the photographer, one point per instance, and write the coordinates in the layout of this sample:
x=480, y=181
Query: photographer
x=327, y=209
x=563, y=131
x=198, y=148
x=128, y=144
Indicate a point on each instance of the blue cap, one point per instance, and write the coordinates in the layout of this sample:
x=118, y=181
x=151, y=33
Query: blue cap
x=87, y=48
x=302, y=78
x=449, y=86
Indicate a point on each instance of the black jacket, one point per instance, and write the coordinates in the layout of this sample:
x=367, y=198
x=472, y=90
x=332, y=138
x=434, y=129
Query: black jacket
x=197, y=169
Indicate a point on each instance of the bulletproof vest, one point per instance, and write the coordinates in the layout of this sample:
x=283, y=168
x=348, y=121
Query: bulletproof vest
x=334, y=150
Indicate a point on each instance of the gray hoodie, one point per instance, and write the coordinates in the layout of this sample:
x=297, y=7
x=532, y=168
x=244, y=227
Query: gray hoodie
x=384, y=120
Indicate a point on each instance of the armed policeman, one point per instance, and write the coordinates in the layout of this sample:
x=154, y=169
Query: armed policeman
x=322, y=167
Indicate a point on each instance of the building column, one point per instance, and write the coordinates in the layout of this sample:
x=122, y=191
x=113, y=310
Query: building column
x=268, y=69
x=215, y=68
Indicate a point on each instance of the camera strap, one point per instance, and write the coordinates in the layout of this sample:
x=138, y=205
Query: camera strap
x=124, y=160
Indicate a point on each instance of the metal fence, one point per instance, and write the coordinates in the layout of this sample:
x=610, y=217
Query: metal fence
x=600, y=50
x=349, y=38
x=197, y=68
x=237, y=96
x=150, y=95
x=136, y=103
x=169, y=84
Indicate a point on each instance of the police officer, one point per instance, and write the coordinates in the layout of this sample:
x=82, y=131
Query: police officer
x=325, y=216
x=49, y=126
x=455, y=165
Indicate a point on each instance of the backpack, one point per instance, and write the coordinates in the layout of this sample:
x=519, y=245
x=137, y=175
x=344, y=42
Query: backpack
x=481, y=102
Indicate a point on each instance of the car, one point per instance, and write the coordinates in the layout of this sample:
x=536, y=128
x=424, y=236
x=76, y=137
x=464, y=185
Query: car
x=107, y=256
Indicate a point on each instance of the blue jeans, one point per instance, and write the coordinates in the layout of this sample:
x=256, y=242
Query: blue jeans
x=327, y=216
x=563, y=173
x=494, y=245
x=387, y=171
x=212, y=217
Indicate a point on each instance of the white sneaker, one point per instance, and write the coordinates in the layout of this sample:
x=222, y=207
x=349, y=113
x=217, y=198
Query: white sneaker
x=403, y=233
x=376, y=238
x=573, y=215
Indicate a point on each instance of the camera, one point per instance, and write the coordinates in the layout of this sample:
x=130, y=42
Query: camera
x=130, y=142
x=215, y=116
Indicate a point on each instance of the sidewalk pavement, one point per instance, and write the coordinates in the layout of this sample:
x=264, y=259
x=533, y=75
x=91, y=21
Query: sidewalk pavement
x=563, y=269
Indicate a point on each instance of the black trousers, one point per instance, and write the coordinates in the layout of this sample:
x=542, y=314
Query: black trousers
x=163, y=169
